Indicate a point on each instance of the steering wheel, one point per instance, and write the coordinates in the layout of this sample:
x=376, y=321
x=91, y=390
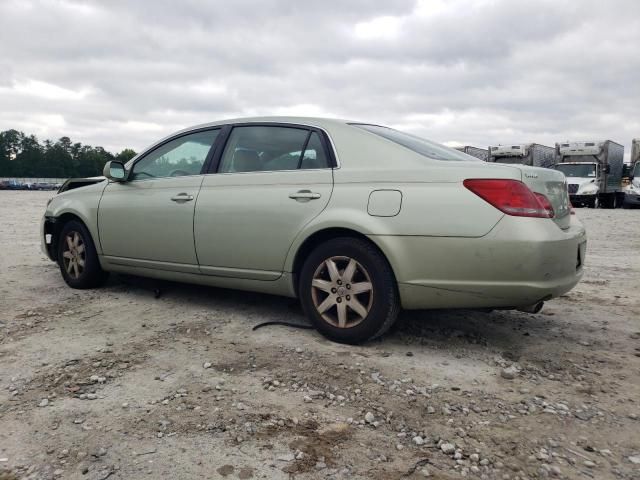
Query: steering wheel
x=178, y=173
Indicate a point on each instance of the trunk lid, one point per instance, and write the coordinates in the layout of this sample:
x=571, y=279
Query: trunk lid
x=553, y=185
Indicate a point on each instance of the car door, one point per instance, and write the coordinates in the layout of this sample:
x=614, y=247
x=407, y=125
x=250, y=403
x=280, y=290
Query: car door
x=271, y=180
x=147, y=221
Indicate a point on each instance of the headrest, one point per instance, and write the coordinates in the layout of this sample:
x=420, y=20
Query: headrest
x=246, y=161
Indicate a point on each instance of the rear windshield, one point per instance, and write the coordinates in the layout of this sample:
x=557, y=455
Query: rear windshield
x=419, y=145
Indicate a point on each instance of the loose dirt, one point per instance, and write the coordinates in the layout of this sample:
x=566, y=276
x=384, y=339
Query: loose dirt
x=114, y=383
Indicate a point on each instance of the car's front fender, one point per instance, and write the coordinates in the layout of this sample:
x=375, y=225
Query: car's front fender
x=82, y=203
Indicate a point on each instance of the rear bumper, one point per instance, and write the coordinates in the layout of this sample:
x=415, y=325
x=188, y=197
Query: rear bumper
x=520, y=262
x=580, y=199
x=632, y=199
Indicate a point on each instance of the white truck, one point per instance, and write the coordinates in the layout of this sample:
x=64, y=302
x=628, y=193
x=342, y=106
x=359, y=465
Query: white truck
x=481, y=153
x=532, y=154
x=593, y=170
x=632, y=191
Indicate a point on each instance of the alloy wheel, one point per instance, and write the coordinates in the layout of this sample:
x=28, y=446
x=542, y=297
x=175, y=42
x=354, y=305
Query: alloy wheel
x=73, y=254
x=342, y=291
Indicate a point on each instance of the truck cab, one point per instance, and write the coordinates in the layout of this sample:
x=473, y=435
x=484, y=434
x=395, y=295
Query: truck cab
x=632, y=191
x=593, y=171
x=508, y=153
x=531, y=154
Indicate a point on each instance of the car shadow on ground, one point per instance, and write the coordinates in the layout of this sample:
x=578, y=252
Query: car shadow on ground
x=506, y=332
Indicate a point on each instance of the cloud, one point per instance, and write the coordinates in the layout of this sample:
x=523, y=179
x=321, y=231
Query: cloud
x=125, y=73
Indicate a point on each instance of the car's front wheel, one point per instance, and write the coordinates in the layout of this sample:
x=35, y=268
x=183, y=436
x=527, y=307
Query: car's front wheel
x=77, y=257
x=348, y=290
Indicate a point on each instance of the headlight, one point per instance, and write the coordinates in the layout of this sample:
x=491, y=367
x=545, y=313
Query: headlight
x=588, y=189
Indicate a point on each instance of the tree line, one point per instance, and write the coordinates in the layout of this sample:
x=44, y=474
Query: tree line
x=24, y=156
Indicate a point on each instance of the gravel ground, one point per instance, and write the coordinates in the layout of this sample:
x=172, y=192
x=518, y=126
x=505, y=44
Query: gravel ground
x=114, y=383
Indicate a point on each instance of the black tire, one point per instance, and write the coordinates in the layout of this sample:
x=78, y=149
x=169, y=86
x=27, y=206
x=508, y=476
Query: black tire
x=383, y=302
x=90, y=275
x=610, y=201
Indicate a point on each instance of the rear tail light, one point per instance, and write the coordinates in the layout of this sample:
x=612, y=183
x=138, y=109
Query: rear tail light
x=546, y=204
x=511, y=197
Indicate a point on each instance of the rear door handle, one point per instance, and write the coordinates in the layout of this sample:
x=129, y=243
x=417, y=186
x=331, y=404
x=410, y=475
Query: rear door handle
x=182, y=197
x=304, y=195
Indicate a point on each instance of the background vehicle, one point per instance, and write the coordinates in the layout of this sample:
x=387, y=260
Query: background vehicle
x=593, y=170
x=267, y=205
x=10, y=185
x=632, y=191
x=532, y=154
x=481, y=153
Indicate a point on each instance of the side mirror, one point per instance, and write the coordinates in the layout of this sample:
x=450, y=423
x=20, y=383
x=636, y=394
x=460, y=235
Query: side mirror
x=607, y=169
x=114, y=171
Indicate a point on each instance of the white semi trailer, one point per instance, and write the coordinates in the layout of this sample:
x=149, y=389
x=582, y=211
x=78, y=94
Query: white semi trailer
x=632, y=191
x=532, y=154
x=594, y=172
x=481, y=153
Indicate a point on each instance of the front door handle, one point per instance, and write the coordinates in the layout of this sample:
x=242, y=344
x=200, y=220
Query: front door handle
x=304, y=195
x=182, y=197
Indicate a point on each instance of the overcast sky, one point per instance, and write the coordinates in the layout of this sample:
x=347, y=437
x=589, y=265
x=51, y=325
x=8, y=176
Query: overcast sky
x=123, y=73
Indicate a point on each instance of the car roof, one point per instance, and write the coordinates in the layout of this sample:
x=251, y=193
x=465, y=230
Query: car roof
x=308, y=121
x=328, y=124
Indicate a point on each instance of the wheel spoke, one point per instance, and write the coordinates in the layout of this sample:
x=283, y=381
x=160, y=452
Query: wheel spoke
x=360, y=287
x=342, y=315
x=357, y=307
x=326, y=304
x=80, y=262
x=69, y=266
x=76, y=239
x=333, y=270
x=322, y=285
x=347, y=275
x=80, y=248
x=76, y=269
x=67, y=255
x=69, y=242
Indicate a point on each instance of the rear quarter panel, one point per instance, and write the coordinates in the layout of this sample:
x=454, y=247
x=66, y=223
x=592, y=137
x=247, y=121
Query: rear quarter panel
x=434, y=202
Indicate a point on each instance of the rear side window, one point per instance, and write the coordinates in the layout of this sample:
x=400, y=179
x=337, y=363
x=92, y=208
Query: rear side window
x=267, y=149
x=314, y=156
x=419, y=145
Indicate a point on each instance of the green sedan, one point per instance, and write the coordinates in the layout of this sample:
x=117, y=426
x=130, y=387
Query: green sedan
x=356, y=220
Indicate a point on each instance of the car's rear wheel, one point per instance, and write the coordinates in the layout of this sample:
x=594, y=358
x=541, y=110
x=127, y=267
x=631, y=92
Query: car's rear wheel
x=77, y=257
x=348, y=290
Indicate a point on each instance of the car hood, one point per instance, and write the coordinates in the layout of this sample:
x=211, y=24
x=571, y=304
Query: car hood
x=74, y=183
x=580, y=181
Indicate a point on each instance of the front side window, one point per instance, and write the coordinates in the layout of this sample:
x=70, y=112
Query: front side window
x=266, y=148
x=419, y=145
x=179, y=157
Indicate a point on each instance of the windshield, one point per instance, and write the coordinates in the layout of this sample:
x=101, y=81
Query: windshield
x=577, y=169
x=419, y=145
